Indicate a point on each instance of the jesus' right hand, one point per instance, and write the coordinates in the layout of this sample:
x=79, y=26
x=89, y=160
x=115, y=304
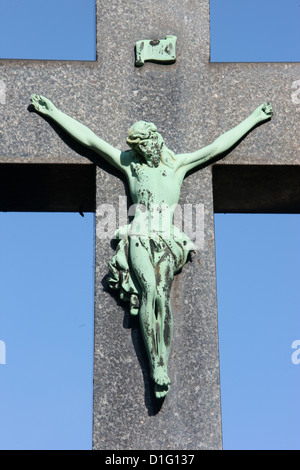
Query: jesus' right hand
x=42, y=104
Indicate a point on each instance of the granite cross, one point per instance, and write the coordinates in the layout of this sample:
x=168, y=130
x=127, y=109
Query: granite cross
x=192, y=102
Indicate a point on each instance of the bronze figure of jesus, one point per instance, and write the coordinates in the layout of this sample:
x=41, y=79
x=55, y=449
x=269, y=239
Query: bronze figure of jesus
x=151, y=249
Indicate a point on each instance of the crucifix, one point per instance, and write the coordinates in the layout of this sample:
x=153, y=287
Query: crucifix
x=152, y=250
x=191, y=102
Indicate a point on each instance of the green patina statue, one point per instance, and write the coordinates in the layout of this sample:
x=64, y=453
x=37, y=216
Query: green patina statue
x=156, y=50
x=151, y=249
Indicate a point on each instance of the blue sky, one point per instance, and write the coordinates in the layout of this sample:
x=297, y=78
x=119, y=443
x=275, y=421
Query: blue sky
x=47, y=286
x=52, y=29
x=255, y=30
x=47, y=266
x=258, y=272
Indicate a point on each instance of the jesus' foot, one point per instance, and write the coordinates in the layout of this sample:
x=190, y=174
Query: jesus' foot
x=162, y=381
x=161, y=390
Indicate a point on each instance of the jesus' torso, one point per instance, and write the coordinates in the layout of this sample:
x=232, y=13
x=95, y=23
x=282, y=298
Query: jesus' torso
x=156, y=191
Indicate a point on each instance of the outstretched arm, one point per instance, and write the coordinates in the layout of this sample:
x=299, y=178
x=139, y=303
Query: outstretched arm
x=78, y=131
x=226, y=141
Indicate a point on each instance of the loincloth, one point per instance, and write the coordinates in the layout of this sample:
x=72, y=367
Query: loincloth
x=121, y=276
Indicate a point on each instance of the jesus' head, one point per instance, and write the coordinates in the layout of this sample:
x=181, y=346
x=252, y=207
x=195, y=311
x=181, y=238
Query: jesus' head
x=147, y=142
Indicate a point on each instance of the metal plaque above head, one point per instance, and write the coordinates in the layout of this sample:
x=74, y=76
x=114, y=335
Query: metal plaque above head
x=156, y=50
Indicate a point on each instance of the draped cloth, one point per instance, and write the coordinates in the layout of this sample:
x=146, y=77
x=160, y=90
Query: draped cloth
x=121, y=276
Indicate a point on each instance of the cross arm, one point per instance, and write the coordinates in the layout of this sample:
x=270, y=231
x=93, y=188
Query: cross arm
x=226, y=141
x=78, y=131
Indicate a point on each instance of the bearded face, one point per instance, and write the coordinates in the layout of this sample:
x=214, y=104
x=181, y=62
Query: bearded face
x=146, y=141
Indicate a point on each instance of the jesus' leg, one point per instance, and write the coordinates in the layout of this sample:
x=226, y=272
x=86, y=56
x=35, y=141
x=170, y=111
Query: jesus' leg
x=164, y=317
x=150, y=318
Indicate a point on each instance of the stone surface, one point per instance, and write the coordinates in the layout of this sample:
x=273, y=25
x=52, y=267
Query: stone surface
x=257, y=189
x=46, y=187
x=127, y=416
x=191, y=102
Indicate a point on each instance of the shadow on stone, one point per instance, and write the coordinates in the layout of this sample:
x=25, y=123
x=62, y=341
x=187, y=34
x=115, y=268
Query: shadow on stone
x=152, y=403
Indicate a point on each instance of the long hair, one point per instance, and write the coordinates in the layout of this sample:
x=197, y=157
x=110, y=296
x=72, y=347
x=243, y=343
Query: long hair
x=143, y=131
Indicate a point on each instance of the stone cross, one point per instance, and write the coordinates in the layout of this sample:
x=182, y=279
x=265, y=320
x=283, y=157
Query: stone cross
x=192, y=102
